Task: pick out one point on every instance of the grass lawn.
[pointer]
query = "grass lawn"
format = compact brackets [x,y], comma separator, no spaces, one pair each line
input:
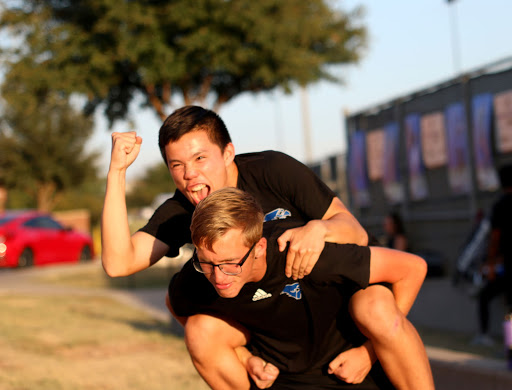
[81,342]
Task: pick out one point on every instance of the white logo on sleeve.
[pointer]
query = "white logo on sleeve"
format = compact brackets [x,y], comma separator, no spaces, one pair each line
[260,294]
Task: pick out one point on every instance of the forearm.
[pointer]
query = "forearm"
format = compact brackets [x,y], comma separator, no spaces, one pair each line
[368,346]
[341,227]
[117,248]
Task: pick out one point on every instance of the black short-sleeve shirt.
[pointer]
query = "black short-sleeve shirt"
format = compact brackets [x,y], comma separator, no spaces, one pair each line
[296,325]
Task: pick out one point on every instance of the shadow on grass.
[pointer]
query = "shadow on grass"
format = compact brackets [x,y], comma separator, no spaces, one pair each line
[172,327]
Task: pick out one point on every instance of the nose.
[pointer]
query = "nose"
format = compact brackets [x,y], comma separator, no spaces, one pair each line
[190,172]
[219,275]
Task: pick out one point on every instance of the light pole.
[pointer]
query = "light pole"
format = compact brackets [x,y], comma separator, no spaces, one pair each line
[455,37]
[306,125]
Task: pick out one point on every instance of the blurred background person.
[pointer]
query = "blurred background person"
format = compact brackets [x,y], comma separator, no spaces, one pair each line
[395,236]
[497,270]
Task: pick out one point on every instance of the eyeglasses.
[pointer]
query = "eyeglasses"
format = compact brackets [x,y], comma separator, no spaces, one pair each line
[227,268]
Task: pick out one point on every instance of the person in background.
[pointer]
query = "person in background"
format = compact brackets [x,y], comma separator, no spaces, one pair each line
[497,269]
[395,232]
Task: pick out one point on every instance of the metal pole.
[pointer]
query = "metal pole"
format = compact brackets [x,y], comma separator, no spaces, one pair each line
[306,125]
[455,37]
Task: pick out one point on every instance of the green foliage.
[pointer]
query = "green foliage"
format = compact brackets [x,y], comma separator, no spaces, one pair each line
[42,151]
[156,180]
[88,195]
[113,50]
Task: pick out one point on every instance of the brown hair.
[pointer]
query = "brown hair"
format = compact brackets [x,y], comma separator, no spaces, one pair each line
[223,210]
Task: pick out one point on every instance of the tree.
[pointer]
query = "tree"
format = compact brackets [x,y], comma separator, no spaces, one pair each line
[154,181]
[114,51]
[42,145]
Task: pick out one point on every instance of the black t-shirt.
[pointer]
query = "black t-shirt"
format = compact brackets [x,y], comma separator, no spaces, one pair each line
[299,326]
[285,188]
[500,219]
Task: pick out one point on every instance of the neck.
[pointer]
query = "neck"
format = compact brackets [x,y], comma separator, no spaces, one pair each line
[259,268]
[232,174]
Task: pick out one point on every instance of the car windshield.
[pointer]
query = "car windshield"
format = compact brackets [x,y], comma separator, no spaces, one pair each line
[5,219]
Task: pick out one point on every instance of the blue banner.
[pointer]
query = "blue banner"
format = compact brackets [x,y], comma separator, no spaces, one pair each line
[417,181]
[486,175]
[458,154]
[391,173]
[357,171]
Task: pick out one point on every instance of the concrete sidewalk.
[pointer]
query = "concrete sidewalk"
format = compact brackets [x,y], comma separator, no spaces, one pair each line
[443,307]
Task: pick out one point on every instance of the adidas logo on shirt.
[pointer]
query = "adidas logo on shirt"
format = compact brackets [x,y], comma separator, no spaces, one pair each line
[260,294]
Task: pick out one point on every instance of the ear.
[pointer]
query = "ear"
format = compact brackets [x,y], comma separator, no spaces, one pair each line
[260,249]
[229,154]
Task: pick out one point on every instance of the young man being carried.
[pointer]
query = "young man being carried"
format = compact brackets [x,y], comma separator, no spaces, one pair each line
[297,327]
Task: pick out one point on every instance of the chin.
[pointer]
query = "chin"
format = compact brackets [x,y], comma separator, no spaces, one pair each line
[227,294]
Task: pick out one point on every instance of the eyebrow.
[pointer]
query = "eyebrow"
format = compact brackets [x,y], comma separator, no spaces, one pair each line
[202,151]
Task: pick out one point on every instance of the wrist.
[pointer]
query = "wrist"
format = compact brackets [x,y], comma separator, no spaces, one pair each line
[321,226]
[368,346]
[118,174]
[243,355]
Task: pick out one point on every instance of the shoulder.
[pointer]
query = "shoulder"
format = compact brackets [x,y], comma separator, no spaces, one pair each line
[267,157]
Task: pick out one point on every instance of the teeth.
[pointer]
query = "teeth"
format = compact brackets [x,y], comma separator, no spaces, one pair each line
[199,187]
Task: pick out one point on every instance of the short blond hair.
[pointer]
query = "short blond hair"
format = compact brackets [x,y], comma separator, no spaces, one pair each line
[223,210]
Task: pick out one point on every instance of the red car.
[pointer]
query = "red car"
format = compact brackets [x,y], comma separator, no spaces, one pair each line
[32,238]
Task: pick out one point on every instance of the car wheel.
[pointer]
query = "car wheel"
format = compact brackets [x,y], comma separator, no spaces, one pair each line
[26,258]
[85,254]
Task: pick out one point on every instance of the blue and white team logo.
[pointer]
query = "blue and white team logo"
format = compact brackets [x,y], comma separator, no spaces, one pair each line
[277,214]
[293,291]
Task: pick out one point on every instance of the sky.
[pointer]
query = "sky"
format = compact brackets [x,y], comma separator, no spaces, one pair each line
[411,45]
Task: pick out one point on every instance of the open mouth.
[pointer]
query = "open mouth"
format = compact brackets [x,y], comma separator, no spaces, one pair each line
[199,192]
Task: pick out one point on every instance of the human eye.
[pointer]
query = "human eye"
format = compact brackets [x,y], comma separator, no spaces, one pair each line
[230,268]
[175,165]
[206,268]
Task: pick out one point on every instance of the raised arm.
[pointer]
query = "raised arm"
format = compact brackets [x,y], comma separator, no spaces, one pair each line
[307,242]
[123,254]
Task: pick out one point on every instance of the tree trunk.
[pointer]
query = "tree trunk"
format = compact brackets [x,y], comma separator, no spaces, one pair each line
[3,198]
[46,197]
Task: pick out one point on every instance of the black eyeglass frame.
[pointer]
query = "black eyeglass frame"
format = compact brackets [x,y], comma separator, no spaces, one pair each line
[197,264]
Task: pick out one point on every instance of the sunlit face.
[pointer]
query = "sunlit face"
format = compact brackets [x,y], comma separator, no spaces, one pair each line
[230,248]
[198,166]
